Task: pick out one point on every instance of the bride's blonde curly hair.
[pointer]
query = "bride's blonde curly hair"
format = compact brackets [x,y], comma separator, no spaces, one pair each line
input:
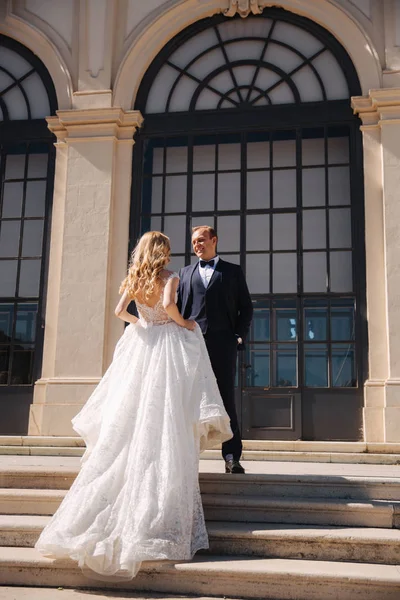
[148,259]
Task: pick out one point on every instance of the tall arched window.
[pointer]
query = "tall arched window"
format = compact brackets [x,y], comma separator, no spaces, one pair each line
[248,127]
[27,96]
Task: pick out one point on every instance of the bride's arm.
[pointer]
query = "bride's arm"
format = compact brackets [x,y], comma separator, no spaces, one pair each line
[121,312]
[170,306]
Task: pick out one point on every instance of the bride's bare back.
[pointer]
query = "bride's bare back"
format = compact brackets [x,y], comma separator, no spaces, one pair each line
[158,293]
[160,308]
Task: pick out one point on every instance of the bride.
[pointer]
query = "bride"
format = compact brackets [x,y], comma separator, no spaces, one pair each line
[137,495]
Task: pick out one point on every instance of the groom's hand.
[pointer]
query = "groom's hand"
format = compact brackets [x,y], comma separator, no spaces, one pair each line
[240,343]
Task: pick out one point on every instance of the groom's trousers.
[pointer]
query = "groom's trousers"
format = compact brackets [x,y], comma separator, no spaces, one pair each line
[222,350]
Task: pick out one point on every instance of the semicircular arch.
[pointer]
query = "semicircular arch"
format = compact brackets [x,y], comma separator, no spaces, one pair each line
[154,35]
[34,40]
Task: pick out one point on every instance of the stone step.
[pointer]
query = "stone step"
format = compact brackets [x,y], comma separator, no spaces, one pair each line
[252,484]
[254,450]
[41,593]
[266,445]
[49,478]
[370,545]
[41,440]
[309,511]
[21,530]
[302,486]
[251,509]
[249,455]
[362,458]
[269,579]
[46,451]
[30,501]
[361,545]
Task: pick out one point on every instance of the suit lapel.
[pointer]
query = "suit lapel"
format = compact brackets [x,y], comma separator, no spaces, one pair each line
[188,285]
[217,275]
[191,271]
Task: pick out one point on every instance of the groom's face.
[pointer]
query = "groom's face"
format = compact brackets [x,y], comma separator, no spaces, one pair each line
[204,246]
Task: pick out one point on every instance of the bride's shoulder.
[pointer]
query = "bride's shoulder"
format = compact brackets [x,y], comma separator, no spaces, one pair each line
[167,274]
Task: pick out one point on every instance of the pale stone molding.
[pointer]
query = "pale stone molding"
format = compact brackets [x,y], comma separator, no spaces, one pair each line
[96,19]
[32,37]
[363,107]
[151,35]
[68,380]
[86,124]
[375,383]
[392,34]
[97,28]
[243,8]
[92,99]
[380,107]
[363,5]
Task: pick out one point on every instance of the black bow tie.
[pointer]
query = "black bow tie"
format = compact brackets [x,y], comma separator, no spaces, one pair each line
[203,263]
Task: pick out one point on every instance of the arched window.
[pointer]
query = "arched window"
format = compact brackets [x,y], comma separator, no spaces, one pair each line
[246,63]
[27,96]
[248,128]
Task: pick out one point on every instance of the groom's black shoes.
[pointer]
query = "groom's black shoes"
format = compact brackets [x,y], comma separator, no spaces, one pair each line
[233,466]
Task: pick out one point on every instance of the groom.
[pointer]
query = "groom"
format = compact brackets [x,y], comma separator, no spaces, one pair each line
[214,293]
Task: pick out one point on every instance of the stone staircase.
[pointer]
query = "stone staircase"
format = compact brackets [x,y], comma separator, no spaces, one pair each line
[285,530]
[282,451]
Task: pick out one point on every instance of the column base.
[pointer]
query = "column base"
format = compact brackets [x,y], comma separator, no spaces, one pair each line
[374,411]
[56,401]
[382,411]
[392,411]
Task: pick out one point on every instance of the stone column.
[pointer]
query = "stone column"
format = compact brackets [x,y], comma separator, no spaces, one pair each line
[88,258]
[380,113]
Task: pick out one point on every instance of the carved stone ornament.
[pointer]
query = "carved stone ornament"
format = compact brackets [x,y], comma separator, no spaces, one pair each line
[243,7]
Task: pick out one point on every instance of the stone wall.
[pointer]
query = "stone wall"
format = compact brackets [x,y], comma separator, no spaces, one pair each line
[97,52]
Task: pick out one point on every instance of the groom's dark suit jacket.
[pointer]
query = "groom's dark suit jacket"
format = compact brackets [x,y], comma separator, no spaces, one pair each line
[228,302]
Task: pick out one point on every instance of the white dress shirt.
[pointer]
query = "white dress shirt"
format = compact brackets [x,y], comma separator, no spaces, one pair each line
[207,272]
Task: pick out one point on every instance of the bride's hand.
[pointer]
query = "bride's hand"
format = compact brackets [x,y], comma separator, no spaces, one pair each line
[191,325]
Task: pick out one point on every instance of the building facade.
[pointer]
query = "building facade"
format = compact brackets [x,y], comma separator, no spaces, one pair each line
[276,122]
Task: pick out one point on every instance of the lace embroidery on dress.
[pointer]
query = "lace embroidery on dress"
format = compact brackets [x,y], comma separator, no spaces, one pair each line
[155,315]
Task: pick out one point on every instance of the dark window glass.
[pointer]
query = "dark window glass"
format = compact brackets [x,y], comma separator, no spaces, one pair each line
[286,365]
[22,363]
[8,276]
[343,320]
[9,238]
[261,322]
[25,326]
[4,363]
[6,322]
[12,199]
[343,366]
[316,365]
[258,365]
[316,321]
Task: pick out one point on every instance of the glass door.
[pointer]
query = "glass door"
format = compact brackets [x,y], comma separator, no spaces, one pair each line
[271,404]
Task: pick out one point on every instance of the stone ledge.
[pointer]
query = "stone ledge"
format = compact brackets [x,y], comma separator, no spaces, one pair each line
[244,577]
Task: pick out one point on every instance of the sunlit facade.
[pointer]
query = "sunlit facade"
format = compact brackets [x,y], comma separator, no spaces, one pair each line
[276,125]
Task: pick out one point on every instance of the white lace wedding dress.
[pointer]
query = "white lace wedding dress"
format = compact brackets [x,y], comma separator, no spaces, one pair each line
[137,495]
